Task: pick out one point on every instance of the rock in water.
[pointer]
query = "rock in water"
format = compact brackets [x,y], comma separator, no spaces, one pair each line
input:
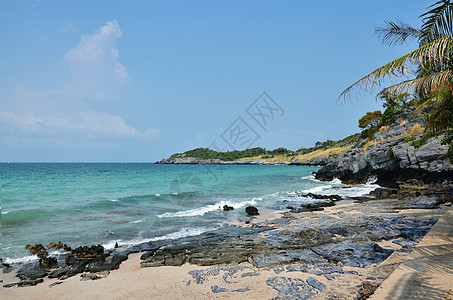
[228,208]
[251,211]
[55,246]
[48,263]
[85,252]
[37,249]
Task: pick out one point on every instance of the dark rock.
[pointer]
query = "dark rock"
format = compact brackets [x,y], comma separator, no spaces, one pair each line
[228,208]
[250,274]
[316,284]
[89,253]
[251,211]
[217,289]
[317,269]
[24,283]
[31,272]
[352,254]
[421,202]
[37,249]
[55,283]
[58,273]
[116,245]
[48,263]
[66,248]
[55,246]
[291,288]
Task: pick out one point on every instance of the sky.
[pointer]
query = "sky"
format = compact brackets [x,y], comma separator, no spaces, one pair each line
[136,81]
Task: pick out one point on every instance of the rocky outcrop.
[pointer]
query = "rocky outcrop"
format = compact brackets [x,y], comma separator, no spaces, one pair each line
[393,160]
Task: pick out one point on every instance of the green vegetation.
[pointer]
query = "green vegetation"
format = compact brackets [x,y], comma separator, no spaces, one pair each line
[432,64]
[279,153]
[370,119]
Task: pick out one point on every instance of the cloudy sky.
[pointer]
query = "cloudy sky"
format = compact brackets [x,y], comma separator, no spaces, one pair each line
[88,81]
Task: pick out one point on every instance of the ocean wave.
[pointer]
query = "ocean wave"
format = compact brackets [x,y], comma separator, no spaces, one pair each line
[185,232]
[21,260]
[336,187]
[209,208]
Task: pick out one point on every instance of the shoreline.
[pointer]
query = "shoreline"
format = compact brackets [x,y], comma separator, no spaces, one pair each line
[272,275]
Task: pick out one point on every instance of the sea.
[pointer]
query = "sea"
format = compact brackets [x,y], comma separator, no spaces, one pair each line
[132,203]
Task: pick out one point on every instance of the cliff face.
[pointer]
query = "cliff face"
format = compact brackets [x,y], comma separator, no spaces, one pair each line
[393,160]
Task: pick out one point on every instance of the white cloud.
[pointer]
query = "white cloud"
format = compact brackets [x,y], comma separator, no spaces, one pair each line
[86,124]
[66,109]
[94,64]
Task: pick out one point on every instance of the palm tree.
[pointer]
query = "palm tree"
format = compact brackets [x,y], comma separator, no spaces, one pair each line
[429,68]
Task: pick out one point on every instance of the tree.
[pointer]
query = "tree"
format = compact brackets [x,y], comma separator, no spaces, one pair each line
[370,119]
[431,62]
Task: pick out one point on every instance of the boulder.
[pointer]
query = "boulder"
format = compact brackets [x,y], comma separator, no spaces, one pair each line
[228,208]
[88,253]
[37,249]
[48,263]
[251,211]
[55,246]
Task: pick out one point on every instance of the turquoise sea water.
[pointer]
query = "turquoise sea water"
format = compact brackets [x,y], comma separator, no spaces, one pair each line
[90,203]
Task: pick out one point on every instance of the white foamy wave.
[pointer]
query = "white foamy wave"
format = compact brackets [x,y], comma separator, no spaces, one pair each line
[372,179]
[138,221]
[111,245]
[317,189]
[185,232]
[308,177]
[21,260]
[209,208]
[114,200]
[158,195]
[5,212]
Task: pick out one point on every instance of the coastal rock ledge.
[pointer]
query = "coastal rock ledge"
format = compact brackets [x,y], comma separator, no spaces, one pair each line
[393,161]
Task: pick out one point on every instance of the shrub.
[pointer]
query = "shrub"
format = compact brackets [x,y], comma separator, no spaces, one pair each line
[409,138]
[416,129]
[391,154]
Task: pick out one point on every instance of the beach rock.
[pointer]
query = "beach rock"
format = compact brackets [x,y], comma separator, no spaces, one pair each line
[315,283]
[31,272]
[291,288]
[48,263]
[94,276]
[316,269]
[421,202]
[228,208]
[24,283]
[55,246]
[322,197]
[251,211]
[352,254]
[37,249]
[89,253]
[58,273]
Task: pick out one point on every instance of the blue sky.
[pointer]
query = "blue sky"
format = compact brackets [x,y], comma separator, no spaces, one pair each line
[139,80]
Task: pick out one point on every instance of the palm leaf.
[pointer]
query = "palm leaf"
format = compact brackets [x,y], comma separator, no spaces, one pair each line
[422,85]
[434,52]
[394,33]
[437,21]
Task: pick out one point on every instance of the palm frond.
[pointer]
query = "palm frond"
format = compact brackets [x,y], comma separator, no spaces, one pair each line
[424,85]
[394,33]
[437,21]
[434,52]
